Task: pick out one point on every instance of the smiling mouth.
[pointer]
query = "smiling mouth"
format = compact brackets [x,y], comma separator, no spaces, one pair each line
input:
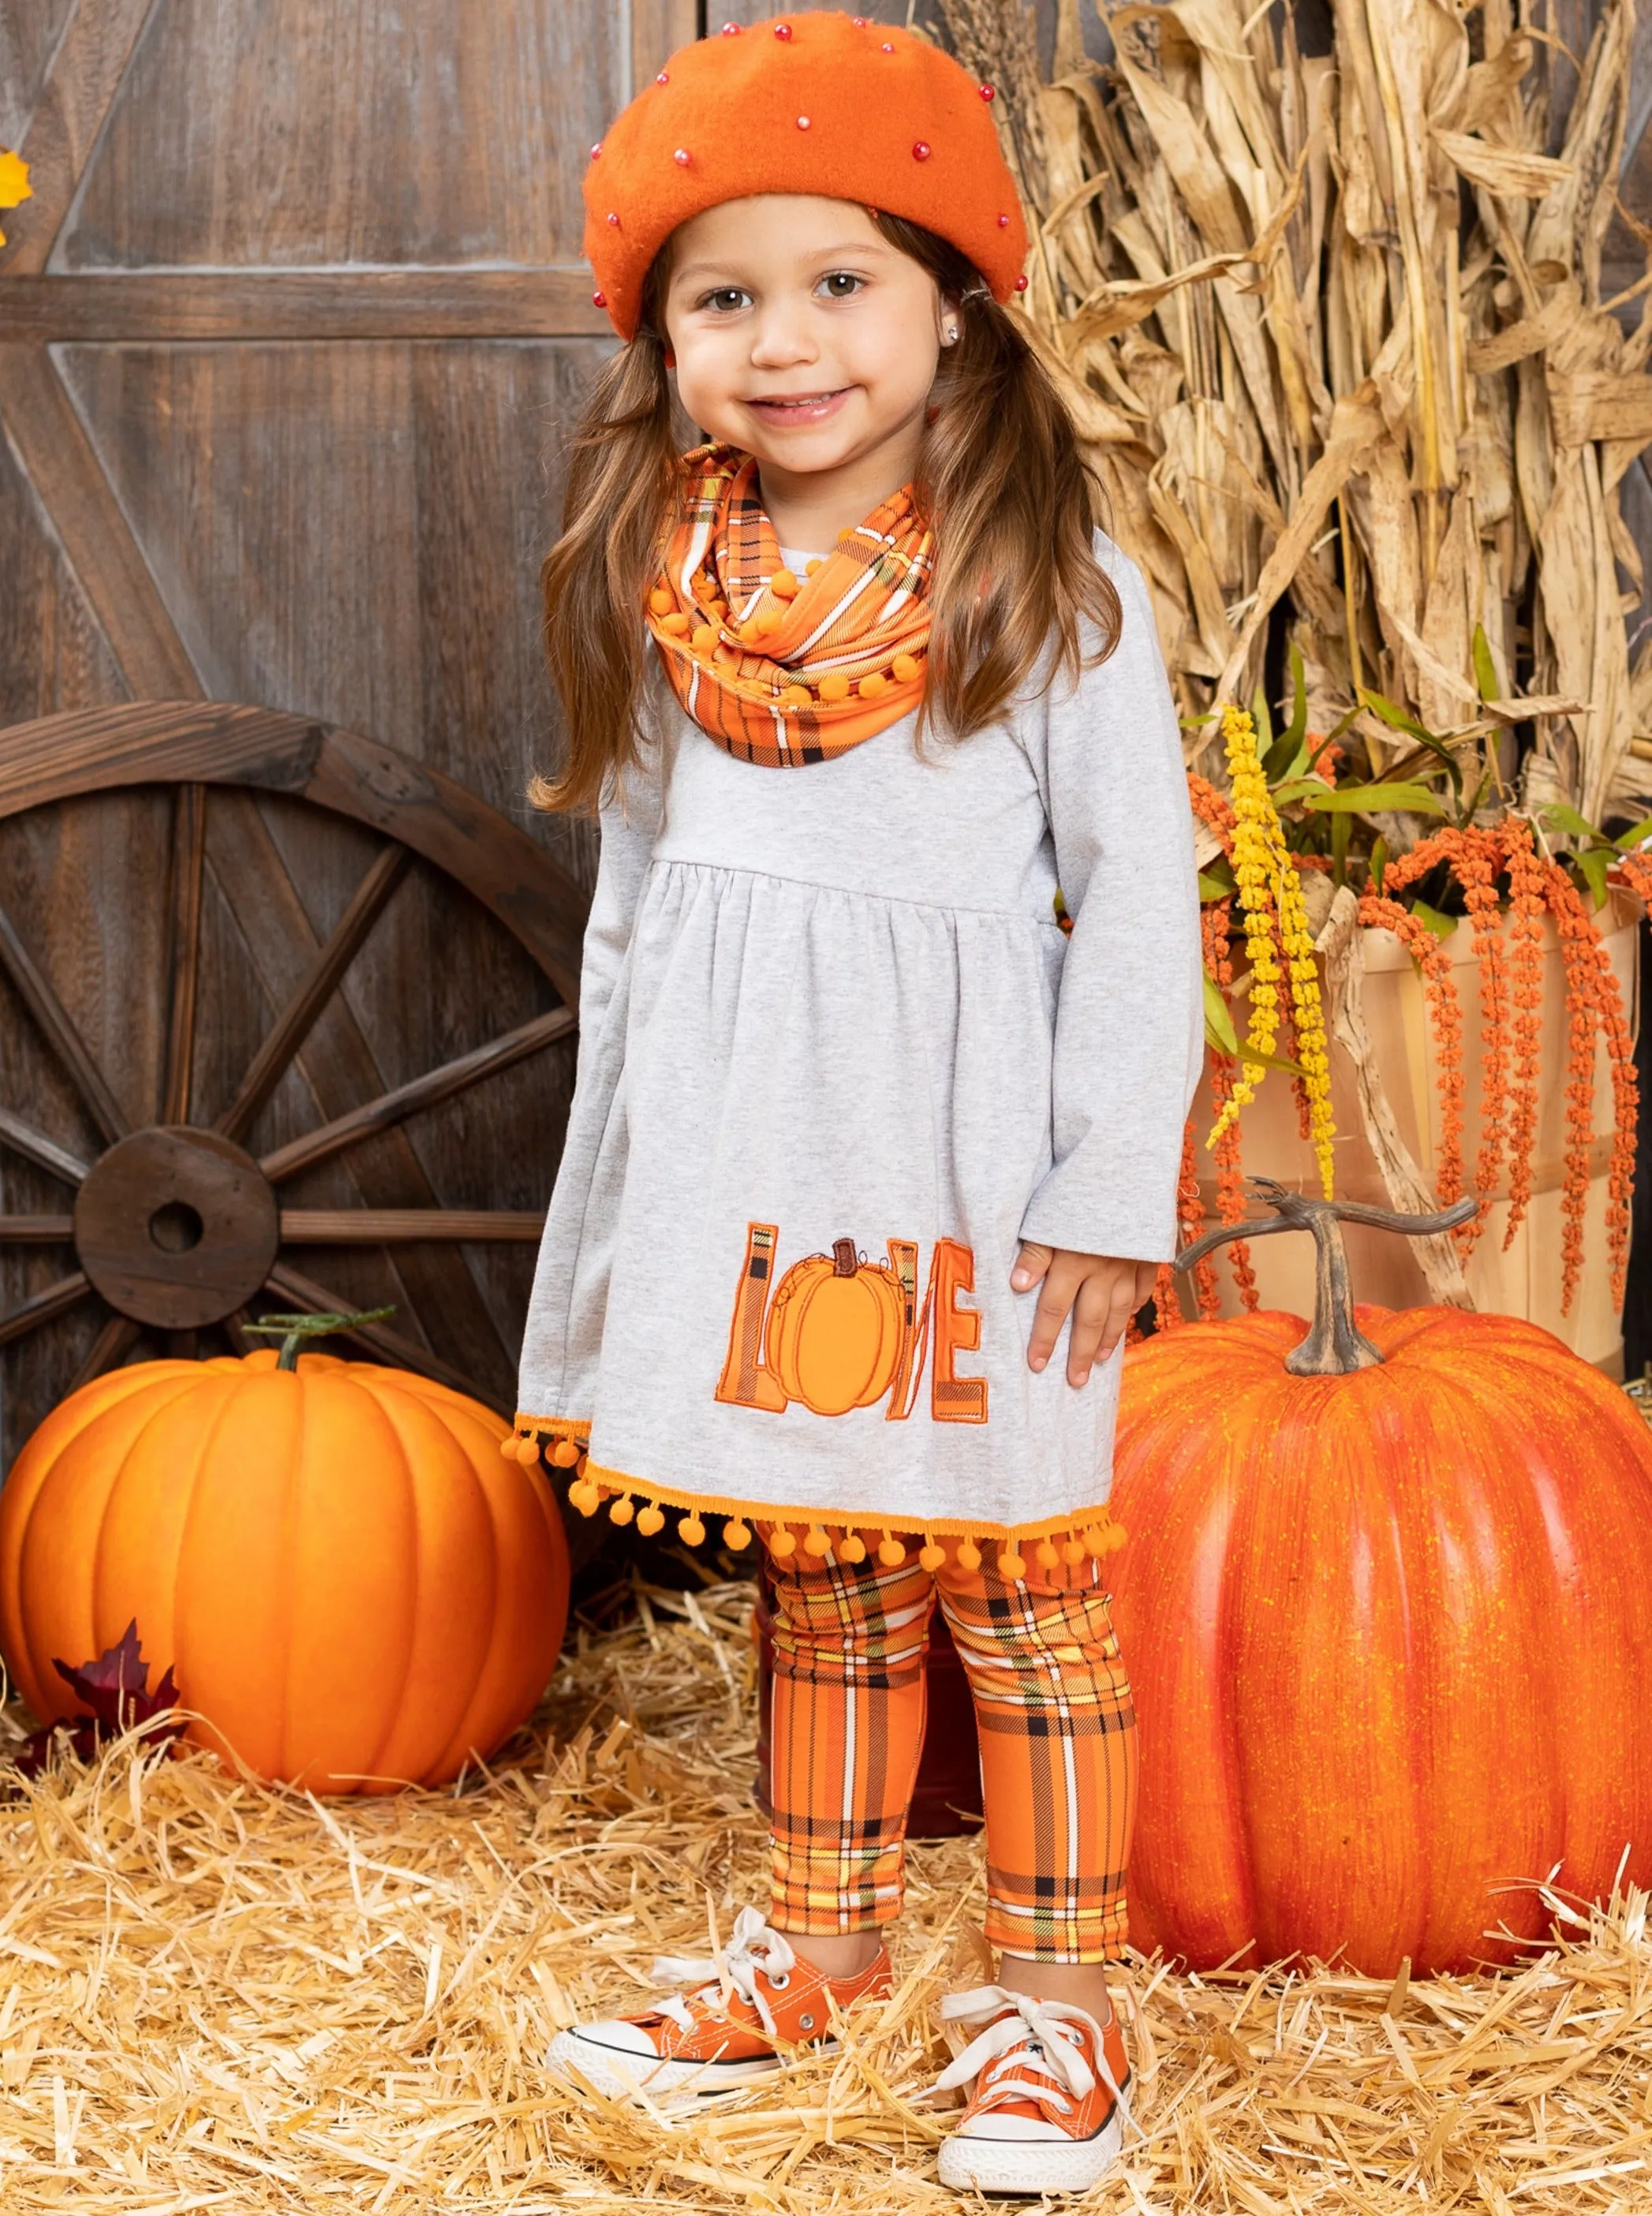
[797,403]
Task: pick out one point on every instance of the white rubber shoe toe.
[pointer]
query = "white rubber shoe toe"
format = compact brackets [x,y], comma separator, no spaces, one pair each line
[1021,2154]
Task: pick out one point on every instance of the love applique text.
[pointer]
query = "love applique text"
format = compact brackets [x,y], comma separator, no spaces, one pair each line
[836,1332]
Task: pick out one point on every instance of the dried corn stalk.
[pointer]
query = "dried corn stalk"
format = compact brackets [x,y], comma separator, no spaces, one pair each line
[1332,333]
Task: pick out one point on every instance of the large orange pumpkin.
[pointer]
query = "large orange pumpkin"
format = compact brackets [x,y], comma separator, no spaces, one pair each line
[353,1586]
[1390,1629]
[835,1329]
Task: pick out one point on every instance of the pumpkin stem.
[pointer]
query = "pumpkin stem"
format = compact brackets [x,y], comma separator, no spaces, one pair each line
[293,1330]
[843,1260]
[1335,1345]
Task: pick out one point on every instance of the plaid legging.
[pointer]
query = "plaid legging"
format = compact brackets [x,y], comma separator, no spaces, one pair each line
[1057,1746]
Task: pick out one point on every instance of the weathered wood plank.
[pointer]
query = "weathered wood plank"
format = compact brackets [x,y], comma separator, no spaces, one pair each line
[74,102]
[340,131]
[50,442]
[164,741]
[658,28]
[29,32]
[58,1028]
[179,306]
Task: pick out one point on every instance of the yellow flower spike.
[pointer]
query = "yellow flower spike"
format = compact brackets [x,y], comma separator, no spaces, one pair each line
[1269,885]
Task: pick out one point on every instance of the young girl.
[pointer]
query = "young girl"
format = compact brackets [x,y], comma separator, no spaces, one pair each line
[868,1164]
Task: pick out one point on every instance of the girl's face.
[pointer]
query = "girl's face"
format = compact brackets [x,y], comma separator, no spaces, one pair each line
[802,336]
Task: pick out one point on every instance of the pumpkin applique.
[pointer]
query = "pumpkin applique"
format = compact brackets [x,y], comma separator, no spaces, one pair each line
[836,1328]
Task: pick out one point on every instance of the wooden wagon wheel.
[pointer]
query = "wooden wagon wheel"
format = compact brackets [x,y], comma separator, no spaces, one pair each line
[175,1226]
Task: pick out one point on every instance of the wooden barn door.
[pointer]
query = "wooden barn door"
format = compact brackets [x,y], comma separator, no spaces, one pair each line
[290,333]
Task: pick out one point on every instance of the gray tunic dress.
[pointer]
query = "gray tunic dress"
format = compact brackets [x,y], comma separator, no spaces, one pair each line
[837,1059]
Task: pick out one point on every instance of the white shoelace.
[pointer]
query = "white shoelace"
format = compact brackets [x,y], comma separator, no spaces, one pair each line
[752,1946]
[1028,2051]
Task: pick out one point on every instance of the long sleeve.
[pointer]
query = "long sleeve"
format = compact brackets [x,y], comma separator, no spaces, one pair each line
[630,823]
[1130,1020]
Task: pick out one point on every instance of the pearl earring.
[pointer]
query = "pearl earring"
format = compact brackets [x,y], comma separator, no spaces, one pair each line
[952,334]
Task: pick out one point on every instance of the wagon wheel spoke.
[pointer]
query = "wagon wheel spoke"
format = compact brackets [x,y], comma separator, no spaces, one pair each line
[183,950]
[301,1292]
[57,1300]
[23,1139]
[330,1139]
[379,1227]
[65,1041]
[293,1025]
[37,1230]
[108,1350]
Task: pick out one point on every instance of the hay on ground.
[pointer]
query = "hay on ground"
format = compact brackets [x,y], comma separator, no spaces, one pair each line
[216,1996]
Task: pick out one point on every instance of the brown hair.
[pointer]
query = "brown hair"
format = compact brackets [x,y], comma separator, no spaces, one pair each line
[1000,477]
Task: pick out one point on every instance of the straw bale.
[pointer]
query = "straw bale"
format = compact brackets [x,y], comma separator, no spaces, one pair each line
[215,1995]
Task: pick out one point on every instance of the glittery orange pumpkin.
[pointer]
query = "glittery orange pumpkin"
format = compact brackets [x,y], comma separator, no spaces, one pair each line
[352,1586]
[1389,1633]
[835,1330]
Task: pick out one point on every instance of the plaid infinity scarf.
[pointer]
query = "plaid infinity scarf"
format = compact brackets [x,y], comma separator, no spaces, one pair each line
[781,669]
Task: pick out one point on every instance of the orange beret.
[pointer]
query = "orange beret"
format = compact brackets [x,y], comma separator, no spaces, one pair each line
[836,105]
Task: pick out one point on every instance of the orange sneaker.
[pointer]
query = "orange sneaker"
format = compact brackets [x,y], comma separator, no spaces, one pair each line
[1048,2109]
[762,1996]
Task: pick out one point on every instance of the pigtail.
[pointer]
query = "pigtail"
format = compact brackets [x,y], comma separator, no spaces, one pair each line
[622,483]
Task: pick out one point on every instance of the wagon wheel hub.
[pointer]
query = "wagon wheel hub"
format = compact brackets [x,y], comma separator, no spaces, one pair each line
[176,1227]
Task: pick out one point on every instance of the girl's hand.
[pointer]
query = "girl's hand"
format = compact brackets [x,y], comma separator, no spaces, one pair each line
[1103,1291]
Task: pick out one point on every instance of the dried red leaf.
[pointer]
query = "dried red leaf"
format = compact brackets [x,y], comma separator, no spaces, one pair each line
[115,1690]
